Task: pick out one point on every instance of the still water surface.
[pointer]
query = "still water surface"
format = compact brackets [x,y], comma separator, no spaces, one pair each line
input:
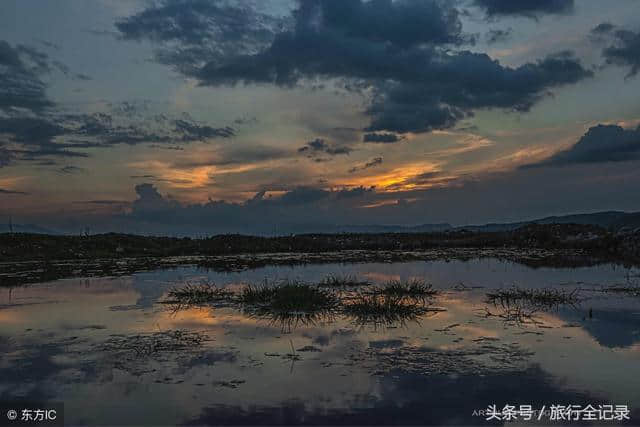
[103,346]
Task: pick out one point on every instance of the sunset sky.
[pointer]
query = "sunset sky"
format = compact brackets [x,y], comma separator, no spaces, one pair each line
[198,116]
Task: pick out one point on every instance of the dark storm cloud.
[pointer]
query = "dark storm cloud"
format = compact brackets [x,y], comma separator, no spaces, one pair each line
[459,83]
[602,143]
[195,31]
[417,87]
[191,21]
[321,47]
[382,138]
[404,51]
[529,8]
[402,23]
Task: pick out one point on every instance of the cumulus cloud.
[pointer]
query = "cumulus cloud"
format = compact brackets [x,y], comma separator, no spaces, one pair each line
[292,211]
[149,199]
[602,143]
[408,53]
[528,8]
[517,195]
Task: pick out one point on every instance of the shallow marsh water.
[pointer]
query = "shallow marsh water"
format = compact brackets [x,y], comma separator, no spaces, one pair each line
[113,355]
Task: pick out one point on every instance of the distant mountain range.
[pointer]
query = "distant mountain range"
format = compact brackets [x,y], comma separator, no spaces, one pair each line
[612,220]
[25,228]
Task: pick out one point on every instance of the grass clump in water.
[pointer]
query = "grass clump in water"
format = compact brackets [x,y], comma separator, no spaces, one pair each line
[417,289]
[535,298]
[384,310]
[289,304]
[520,306]
[198,294]
[288,297]
[348,281]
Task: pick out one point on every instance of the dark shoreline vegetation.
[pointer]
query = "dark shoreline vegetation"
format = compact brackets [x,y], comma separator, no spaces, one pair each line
[593,239]
[32,258]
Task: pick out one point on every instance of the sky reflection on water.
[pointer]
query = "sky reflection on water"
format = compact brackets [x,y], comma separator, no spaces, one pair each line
[60,341]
